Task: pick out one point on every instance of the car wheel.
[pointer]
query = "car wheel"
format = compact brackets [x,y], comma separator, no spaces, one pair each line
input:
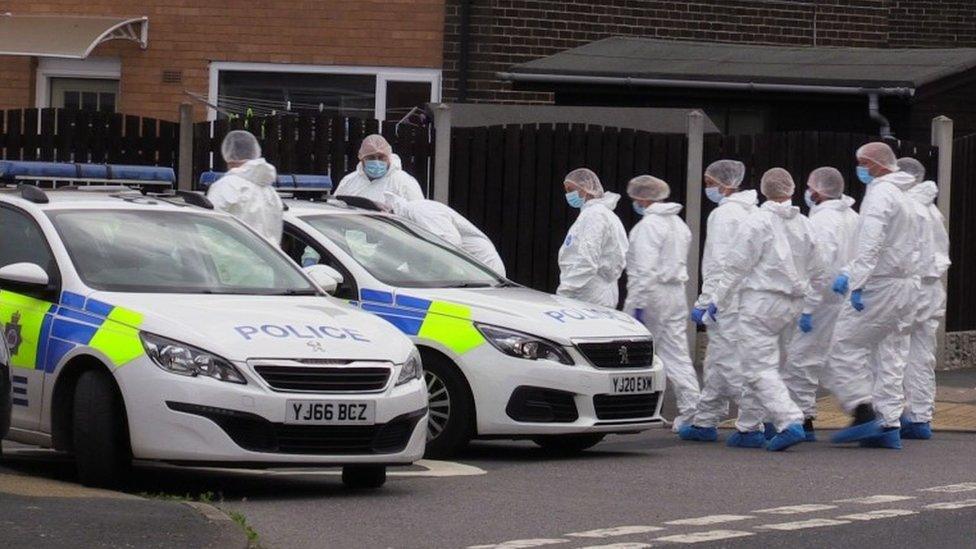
[568,444]
[100,436]
[451,411]
[364,476]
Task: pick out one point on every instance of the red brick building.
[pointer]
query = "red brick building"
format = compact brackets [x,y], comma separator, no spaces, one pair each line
[358,57]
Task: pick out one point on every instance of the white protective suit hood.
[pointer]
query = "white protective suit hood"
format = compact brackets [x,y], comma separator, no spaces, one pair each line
[903,180]
[593,254]
[746,198]
[246,192]
[663,208]
[836,204]
[924,192]
[785,210]
[396,181]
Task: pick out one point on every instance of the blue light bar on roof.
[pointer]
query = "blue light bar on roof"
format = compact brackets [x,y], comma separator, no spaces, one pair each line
[285,182]
[19,170]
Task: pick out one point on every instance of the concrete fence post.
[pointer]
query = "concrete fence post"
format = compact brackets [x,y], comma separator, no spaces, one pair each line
[185,174]
[442,152]
[693,211]
[942,138]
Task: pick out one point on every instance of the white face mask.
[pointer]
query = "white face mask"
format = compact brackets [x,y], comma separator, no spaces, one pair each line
[808,198]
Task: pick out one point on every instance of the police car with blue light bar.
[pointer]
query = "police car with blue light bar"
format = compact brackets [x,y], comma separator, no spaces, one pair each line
[500,360]
[145,326]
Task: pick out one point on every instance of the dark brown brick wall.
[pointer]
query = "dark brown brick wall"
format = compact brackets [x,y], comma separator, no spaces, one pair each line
[507,32]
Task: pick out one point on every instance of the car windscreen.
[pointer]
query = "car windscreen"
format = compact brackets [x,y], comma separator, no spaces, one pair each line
[401,254]
[174,252]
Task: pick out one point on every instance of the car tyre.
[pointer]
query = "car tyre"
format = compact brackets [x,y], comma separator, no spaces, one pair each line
[568,444]
[451,409]
[100,435]
[360,477]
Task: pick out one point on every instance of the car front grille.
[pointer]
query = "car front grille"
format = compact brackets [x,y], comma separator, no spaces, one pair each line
[625,406]
[325,379]
[619,354]
[254,433]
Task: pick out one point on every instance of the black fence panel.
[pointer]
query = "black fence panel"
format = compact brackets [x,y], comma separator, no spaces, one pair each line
[82,136]
[961,310]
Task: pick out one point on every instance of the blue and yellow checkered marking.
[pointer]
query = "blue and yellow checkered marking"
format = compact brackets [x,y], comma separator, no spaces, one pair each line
[447,323]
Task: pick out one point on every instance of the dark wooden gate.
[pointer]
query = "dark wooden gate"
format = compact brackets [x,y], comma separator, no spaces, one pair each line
[961,311]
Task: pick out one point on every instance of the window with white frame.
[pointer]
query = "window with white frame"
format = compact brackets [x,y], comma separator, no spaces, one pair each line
[89,84]
[384,93]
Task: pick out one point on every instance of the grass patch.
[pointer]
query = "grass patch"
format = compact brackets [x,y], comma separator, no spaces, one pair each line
[241,520]
[204,497]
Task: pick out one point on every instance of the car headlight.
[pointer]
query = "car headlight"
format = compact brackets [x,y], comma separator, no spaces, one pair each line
[525,346]
[185,360]
[412,369]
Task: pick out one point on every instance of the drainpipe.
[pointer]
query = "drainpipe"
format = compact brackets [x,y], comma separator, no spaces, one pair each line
[464,49]
[875,114]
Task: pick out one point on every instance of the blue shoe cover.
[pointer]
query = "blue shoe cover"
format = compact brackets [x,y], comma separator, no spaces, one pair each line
[769,430]
[861,431]
[810,436]
[792,435]
[752,439]
[905,422]
[889,438]
[699,434]
[916,431]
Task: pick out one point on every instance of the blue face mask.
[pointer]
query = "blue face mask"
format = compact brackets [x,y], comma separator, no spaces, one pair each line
[864,175]
[808,198]
[638,209]
[574,199]
[714,194]
[375,169]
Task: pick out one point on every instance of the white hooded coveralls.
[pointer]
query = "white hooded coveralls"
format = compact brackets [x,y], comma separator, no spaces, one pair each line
[657,269]
[395,181]
[779,273]
[834,225]
[884,268]
[451,226]
[246,193]
[594,253]
[722,381]
[933,263]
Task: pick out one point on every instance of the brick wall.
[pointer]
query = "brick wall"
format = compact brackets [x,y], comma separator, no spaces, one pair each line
[508,32]
[185,35]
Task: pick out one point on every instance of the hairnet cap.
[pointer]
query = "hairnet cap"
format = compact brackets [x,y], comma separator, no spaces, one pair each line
[240,146]
[375,144]
[648,187]
[585,180]
[777,183]
[727,173]
[827,181]
[879,153]
[911,166]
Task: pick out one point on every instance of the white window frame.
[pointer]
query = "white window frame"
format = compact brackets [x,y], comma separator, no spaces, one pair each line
[108,68]
[382,74]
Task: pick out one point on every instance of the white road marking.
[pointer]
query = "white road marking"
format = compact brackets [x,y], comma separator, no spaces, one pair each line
[803,524]
[710,519]
[874,500]
[953,488]
[878,514]
[615,531]
[699,537]
[950,505]
[619,546]
[520,543]
[797,509]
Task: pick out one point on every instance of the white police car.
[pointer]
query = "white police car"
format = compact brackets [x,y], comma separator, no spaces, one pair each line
[142,327]
[500,360]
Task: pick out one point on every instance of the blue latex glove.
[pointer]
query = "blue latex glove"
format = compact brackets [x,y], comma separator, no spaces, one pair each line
[806,323]
[856,300]
[712,311]
[639,315]
[841,284]
[698,316]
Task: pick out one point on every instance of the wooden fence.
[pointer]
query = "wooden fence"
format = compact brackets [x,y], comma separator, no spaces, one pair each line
[961,310]
[67,135]
[319,144]
[508,181]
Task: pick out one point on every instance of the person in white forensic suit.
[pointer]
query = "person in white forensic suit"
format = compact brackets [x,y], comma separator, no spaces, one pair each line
[657,270]
[379,171]
[246,191]
[594,252]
